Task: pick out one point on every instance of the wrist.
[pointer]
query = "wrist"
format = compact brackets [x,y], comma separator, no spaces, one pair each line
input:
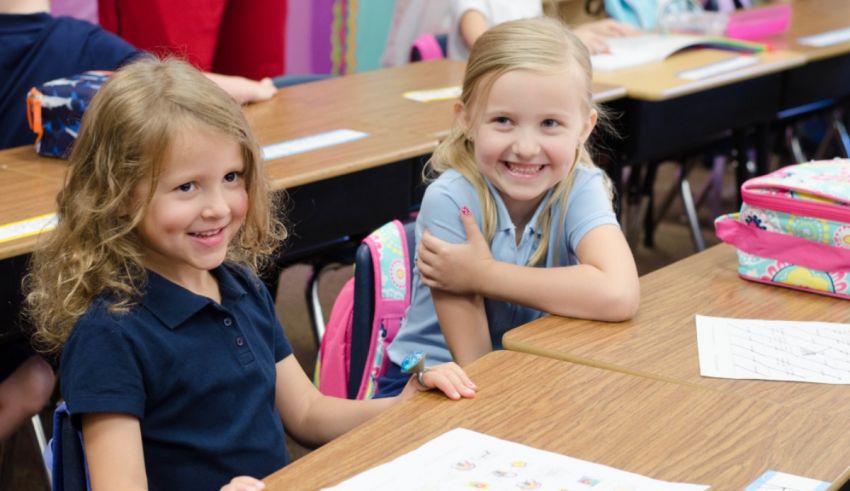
[482,279]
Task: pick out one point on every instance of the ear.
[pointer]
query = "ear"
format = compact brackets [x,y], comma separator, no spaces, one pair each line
[589,124]
[461,117]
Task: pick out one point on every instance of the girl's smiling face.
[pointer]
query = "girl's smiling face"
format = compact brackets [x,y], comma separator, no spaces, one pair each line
[199,204]
[528,132]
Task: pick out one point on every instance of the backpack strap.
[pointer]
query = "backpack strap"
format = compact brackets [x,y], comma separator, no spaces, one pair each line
[391,268]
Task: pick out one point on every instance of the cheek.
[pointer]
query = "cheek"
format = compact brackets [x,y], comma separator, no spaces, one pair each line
[489,150]
[239,205]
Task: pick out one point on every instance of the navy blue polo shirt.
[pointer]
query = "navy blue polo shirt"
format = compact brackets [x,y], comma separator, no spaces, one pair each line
[37,48]
[199,376]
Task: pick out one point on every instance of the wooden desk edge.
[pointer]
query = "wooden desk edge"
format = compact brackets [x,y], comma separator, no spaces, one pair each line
[748,73]
[609,93]
[358,165]
[764,67]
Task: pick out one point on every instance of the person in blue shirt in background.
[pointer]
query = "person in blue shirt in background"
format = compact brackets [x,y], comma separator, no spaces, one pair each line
[38,47]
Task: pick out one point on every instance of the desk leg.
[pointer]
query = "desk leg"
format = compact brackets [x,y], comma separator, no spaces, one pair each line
[742,171]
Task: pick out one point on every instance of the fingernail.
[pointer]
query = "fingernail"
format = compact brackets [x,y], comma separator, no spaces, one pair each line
[465,211]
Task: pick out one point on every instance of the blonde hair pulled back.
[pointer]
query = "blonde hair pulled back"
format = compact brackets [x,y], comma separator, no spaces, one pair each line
[542,45]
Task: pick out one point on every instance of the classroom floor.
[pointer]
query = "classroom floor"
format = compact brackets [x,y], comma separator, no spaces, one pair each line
[20,467]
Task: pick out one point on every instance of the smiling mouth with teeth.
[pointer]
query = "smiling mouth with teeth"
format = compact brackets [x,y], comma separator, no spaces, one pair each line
[206,234]
[529,169]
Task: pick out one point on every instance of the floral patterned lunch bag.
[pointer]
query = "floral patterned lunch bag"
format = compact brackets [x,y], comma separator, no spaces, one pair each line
[793,229]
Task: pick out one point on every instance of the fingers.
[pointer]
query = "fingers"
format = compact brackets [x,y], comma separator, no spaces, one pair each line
[451,380]
[244,483]
[470,226]
[264,90]
[595,43]
[614,28]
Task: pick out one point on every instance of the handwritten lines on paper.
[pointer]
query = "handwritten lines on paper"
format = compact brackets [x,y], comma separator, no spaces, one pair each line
[774,350]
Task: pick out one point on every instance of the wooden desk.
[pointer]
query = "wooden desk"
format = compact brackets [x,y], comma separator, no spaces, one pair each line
[660,81]
[661,341]
[28,189]
[372,99]
[659,101]
[827,68]
[810,17]
[659,429]
[332,189]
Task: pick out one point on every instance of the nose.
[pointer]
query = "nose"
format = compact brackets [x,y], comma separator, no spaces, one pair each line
[215,204]
[525,146]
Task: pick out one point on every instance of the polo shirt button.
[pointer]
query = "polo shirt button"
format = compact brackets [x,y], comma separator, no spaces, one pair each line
[239,341]
[227,321]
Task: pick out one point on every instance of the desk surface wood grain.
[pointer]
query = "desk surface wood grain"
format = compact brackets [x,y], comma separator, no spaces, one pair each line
[363,101]
[812,17]
[661,340]
[662,80]
[659,429]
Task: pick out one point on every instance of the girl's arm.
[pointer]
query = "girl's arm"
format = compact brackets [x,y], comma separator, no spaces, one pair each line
[463,322]
[113,444]
[471,26]
[603,287]
[314,419]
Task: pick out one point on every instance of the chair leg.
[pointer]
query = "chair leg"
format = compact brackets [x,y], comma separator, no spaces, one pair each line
[670,195]
[41,441]
[314,306]
[836,132]
[693,218]
[795,146]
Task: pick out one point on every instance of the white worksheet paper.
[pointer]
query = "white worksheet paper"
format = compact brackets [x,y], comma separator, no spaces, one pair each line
[462,459]
[774,350]
[772,481]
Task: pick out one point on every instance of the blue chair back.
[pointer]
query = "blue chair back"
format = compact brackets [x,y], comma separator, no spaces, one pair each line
[65,454]
[364,308]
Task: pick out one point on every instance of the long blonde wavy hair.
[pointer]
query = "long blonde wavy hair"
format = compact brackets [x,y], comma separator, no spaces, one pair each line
[541,45]
[124,137]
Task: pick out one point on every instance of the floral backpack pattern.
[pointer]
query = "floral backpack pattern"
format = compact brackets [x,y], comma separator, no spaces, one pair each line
[391,272]
[793,229]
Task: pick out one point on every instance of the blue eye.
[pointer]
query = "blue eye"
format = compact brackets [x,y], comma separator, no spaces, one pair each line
[551,123]
[232,176]
[186,187]
[502,120]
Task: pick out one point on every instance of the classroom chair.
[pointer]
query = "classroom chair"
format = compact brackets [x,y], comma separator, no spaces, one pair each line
[64,455]
[364,308]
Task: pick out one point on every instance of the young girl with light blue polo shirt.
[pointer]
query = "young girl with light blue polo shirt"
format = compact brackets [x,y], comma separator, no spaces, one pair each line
[519,222]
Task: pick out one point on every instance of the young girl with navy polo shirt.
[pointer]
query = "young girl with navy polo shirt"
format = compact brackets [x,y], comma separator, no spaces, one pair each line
[173,362]
[519,221]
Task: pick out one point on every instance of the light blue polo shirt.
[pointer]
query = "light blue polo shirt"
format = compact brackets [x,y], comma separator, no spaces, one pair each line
[588,207]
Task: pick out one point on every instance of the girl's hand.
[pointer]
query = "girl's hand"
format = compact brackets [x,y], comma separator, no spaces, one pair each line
[244,483]
[594,35]
[456,268]
[448,377]
[242,89]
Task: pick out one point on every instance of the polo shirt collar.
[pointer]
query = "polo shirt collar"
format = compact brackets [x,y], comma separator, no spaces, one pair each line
[504,222]
[173,305]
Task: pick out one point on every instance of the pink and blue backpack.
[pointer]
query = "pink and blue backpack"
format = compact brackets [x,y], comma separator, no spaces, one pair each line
[366,315]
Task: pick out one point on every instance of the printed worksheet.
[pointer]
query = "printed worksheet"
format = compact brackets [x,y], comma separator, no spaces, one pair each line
[462,459]
[774,350]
